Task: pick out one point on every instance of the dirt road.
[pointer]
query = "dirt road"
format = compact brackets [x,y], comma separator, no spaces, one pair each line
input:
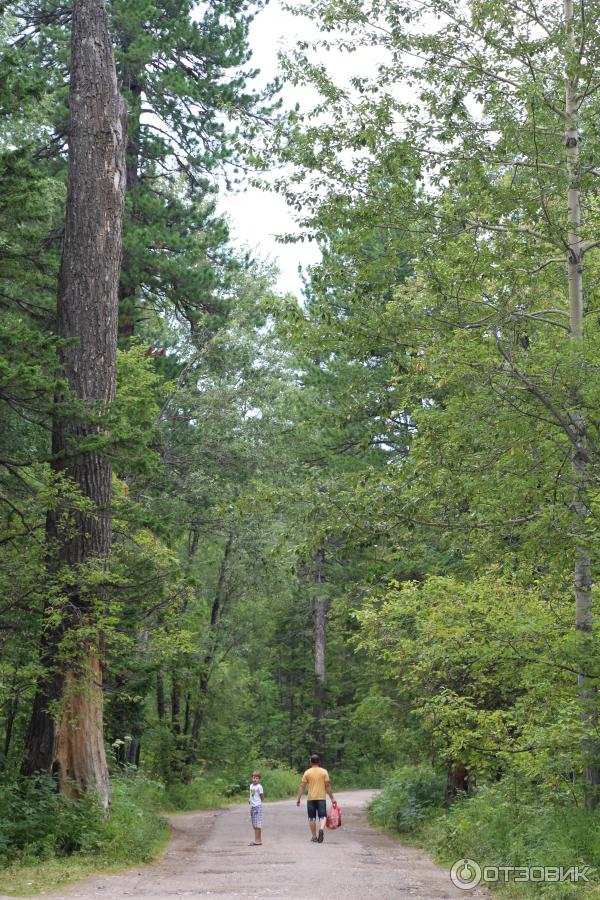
[209,856]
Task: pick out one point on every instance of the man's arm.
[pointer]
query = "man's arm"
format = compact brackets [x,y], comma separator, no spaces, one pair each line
[300,792]
[329,791]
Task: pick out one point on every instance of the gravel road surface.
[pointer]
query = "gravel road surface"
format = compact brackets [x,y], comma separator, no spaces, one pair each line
[209,856]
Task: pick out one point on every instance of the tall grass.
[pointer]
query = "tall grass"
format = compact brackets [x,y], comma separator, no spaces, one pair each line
[409,797]
[214,788]
[37,823]
[508,823]
[511,825]
[368,777]
[46,839]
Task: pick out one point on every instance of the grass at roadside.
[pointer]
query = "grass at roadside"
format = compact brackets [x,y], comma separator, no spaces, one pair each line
[29,879]
[47,841]
[504,824]
[221,788]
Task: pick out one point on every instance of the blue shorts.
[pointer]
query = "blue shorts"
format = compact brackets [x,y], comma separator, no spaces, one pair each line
[316,807]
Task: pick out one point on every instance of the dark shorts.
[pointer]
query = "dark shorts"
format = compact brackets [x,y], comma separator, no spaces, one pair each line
[316,808]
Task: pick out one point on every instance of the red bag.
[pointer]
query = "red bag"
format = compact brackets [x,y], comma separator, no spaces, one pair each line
[334,817]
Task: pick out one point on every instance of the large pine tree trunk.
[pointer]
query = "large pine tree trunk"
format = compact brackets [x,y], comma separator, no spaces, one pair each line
[67,737]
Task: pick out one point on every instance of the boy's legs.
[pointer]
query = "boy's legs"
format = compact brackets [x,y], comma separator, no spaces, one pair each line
[256,819]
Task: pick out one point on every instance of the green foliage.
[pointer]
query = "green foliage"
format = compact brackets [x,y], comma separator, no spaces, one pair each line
[279,781]
[36,822]
[135,827]
[408,798]
[396,448]
[133,415]
[368,775]
[510,824]
[214,787]
[480,671]
[188,117]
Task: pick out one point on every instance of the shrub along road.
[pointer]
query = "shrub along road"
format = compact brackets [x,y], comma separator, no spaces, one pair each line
[209,856]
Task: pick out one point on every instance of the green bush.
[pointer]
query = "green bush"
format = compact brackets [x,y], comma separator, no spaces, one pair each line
[214,787]
[509,824]
[135,827]
[206,791]
[350,780]
[278,782]
[38,823]
[408,797]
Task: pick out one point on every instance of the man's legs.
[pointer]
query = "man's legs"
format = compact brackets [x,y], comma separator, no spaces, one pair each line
[257,835]
[312,818]
[322,813]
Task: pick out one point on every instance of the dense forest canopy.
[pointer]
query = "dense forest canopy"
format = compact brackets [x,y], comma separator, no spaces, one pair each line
[239,525]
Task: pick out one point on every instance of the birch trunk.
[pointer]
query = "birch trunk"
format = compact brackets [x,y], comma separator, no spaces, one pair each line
[320,645]
[66,731]
[128,290]
[201,691]
[582,569]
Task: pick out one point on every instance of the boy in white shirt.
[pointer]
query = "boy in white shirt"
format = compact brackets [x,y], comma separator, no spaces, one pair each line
[255,800]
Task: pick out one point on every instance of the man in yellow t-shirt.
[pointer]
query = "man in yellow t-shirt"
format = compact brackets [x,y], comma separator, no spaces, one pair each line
[317,781]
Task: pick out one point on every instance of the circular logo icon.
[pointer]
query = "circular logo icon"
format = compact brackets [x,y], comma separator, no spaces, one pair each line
[465,874]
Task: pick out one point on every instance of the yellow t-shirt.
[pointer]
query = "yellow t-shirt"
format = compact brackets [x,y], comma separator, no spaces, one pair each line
[315,778]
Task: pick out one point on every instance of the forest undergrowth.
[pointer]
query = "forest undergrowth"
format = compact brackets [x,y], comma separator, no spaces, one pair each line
[238,523]
[505,824]
[47,840]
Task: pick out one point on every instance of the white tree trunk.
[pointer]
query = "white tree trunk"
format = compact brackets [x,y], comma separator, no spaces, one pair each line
[582,569]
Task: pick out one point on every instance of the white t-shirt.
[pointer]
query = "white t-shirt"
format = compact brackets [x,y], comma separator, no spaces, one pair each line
[255,791]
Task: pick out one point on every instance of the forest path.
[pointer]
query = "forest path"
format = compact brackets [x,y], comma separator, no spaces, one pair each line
[209,856]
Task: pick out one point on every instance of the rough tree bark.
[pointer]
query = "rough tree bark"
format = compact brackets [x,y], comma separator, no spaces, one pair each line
[457,782]
[11,714]
[66,730]
[175,704]
[128,292]
[320,643]
[160,697]
[219,604]
[582,568]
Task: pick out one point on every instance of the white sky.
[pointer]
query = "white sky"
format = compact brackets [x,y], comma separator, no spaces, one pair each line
[257,216]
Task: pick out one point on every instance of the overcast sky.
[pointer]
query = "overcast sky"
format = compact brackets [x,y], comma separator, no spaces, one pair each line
[256,217]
